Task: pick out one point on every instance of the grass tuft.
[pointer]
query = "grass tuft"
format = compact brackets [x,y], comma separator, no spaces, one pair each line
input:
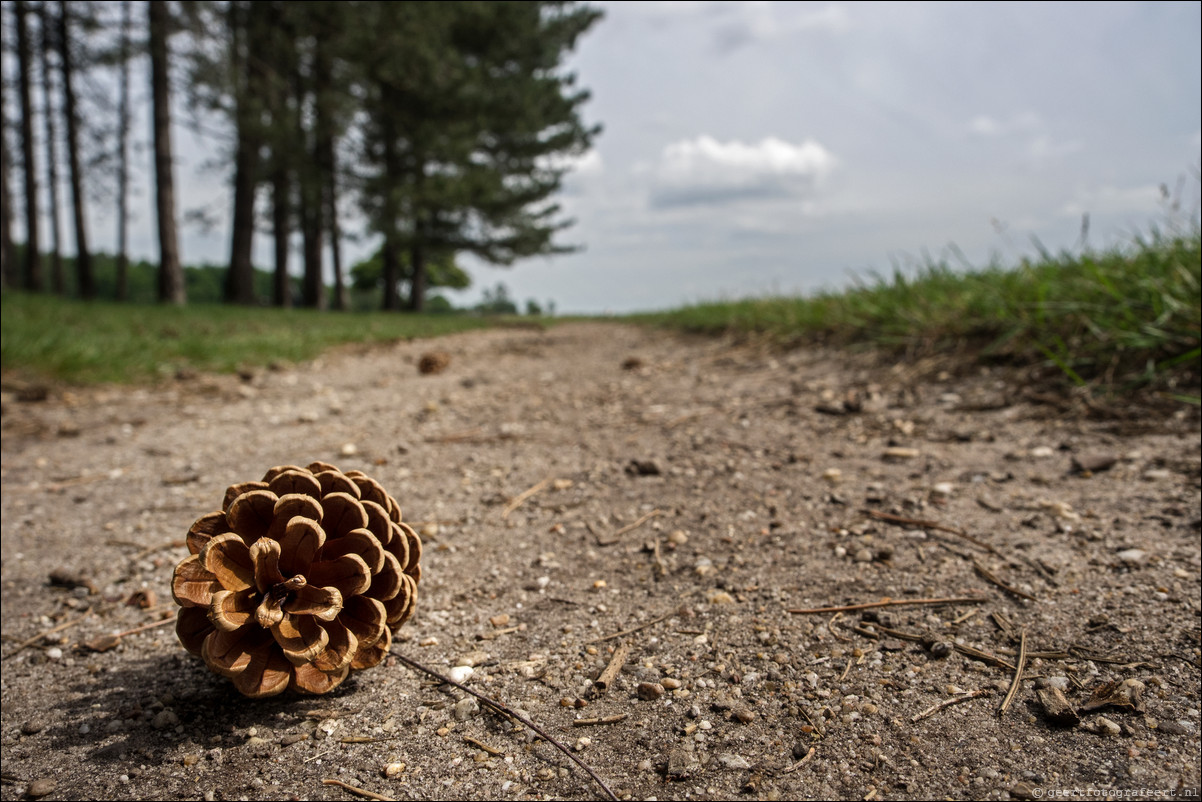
[79,342]
[1126,317]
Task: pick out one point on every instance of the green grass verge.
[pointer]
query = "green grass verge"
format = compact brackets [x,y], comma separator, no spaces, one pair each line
[82,343]
[1127,316]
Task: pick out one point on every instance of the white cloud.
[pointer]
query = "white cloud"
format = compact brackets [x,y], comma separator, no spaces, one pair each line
[985,125]
[758,22]
[706,171]
[588,163]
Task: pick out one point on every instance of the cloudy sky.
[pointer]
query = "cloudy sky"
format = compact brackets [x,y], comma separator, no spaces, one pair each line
[763,147]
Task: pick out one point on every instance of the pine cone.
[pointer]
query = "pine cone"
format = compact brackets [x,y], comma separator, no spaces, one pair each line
[433,362]
[300,578]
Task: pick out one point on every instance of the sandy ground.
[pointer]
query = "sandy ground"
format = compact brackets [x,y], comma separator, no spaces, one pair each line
[688,497]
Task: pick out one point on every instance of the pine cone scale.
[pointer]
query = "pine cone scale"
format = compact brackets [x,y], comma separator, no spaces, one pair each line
[192,584]
[265,556]
[251,514]
[192,627]
[323,603]
[227,558]
[343,513]
[231,610]
[296,482]
[302,540]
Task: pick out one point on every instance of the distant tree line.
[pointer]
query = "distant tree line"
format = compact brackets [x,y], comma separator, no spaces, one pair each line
[446,126]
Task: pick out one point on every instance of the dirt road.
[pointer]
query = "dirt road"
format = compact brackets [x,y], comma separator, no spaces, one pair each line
[596,485]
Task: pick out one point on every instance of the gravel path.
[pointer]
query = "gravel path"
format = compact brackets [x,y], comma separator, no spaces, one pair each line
[596,489]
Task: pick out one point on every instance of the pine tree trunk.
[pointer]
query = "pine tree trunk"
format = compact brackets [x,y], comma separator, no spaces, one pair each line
[240,278]
[341,302]
[329,204]
[281,215]
[323,95]
[417,281]
[57,283]
[309,205]
[312,288]
[392,298]
[123,159]
[83,257]
[392,175]
[171,274]
[33,253]
[8,251]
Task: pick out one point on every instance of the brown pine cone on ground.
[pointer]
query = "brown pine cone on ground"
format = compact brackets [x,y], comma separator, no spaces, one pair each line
[300,579]
[433,362]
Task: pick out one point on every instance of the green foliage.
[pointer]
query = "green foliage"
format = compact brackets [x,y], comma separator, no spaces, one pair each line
[204,283]
[497,302]
[470,120]
[86,342]
[442,271]
[1129,315]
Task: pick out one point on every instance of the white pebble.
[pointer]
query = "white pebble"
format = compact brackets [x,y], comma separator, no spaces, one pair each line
[461,673]
[1133,556]
[54,653]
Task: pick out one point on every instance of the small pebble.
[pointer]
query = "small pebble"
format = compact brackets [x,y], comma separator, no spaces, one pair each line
[461,673]
[941,649]
[1133,556]
[40,788]
[472,658]
[163,719]
[744,715]
[730,760]
[54,653]
[465,709]
[349,449]
[1157,475]
[721,597]
[499,621]
[900,453]
[670,683]
[1041,452]
[32,727]
[832,475]
[863,556]
[648,691]
[582,744]
[1104,726]
[678,537]
[1060,683]
[393,770]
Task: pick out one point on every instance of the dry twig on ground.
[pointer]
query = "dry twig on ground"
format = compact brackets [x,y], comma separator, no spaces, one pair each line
[889,603]
[506,711]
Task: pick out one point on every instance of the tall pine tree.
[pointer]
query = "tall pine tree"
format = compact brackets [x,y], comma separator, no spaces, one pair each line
[466,127]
